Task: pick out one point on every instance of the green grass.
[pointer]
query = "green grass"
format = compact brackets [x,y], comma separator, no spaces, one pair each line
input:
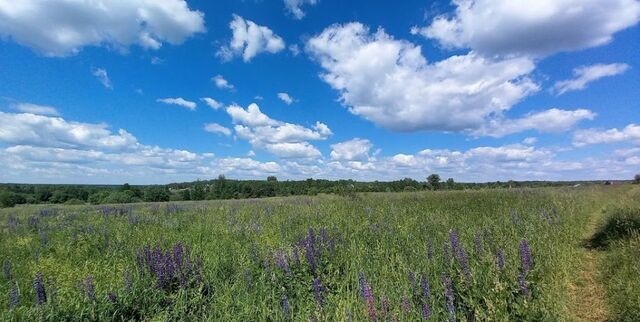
[383,235]
[619,240]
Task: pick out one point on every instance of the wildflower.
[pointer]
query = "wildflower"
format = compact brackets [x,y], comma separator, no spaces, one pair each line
[455,243]
[425,288]
[6,270]
[525,256]
[371,304]
[500,259]
[362,283]
[14,296]
[414,284]
[426,311]
[524,286]
[286,308]
[90,288]
[384,309]
[448,293]
[430,249]
[406,305]
[317,291]
[38,285]
[281,261]
[112,297]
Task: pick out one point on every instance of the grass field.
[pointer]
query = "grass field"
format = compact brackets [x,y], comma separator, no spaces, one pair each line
[502,255]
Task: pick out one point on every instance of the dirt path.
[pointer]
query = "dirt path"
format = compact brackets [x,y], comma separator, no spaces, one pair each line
[588,294]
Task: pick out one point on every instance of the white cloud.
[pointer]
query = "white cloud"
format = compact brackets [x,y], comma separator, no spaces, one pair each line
[294,7]
[535,28]
[286,98]
[103,77]
[353,150]
[221,83]
[178,101]
[217,128]
[587,74]
[285,140]
[211,103]
[62,27]
[252,116]
[250,39]
[45,131]
[37,109]
[550,121]
[595,136]
[294,49]
[390,83]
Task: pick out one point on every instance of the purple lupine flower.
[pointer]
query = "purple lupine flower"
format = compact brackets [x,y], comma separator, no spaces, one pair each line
[310,255]
[41,293]
[455,243]
[178,256]
[426,311]
[112,297]
[384,307]
[525,256]
[464,263]
[371,304]
[425,288]
[430,249]
[286,308]
[90,288]
[281,261]
[477,243]
[524,286]
[500,259]
[362,283]
[413,282]
[317,291]
[6,270]
[127,281]
[14,296]
[449,296]
[406,305]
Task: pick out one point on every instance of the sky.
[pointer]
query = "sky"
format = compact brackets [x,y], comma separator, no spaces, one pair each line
[147,92]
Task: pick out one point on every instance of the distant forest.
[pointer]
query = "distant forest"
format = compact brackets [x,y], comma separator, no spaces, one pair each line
[223,188]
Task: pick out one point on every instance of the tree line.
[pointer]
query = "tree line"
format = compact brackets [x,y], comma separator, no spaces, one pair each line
[223,188]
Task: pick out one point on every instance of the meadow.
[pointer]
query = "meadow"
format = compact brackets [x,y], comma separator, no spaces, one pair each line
[495,254]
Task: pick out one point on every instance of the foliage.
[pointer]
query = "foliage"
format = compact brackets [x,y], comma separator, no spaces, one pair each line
[505,255]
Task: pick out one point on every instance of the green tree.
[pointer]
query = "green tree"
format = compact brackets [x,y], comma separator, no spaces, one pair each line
[451,184]
[434,181]
[636,179]
[156,194]
[272,179]
[7,199]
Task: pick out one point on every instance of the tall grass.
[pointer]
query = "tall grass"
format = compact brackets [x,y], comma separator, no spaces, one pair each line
[470,255]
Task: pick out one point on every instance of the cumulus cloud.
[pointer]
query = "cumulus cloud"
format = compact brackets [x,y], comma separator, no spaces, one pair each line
[37,109]
[211,102]
[221,83]
[178,101]
[217,128]
[250,39]
[285,140]
[46,131]
[294,7]
[550,121]
[286,98]
[587,74]
[534,28]
[103,77]
[62,28]
[353,150]
[631,133]
[390,82]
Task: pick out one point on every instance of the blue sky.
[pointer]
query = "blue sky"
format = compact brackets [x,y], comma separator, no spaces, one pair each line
[478,90]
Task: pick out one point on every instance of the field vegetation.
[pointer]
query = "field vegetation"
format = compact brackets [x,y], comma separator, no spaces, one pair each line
[494,254]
